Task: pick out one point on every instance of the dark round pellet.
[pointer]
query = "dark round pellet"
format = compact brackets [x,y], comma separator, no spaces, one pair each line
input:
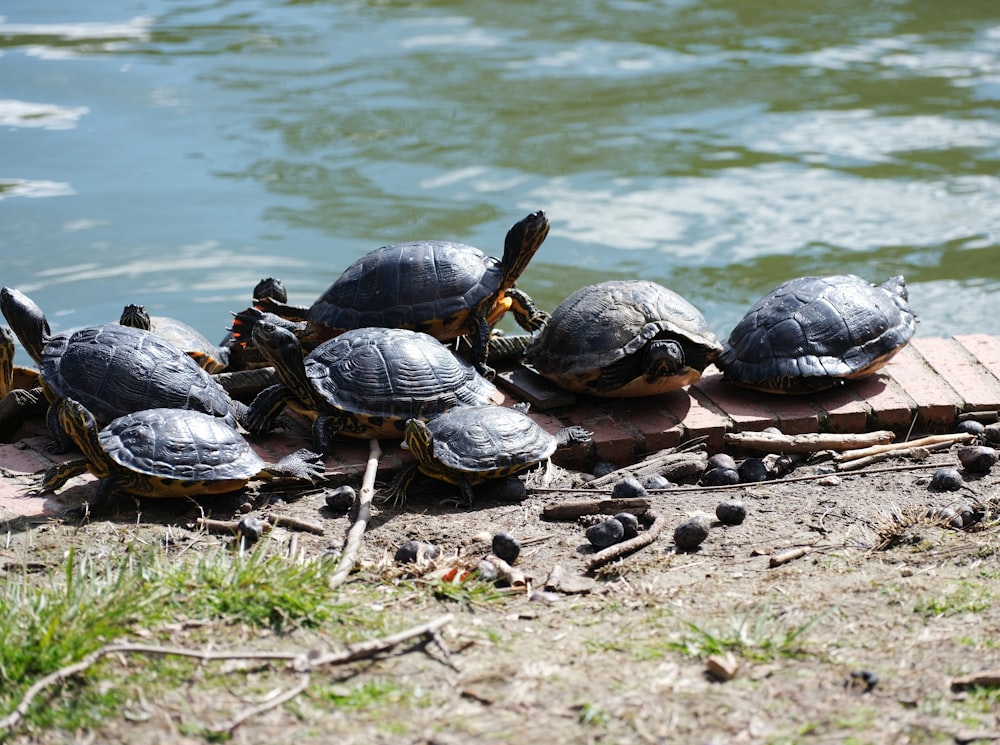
[510,489]
[605,534]
[971,427]
[691,534]
[506,547]
[250,529]
[992,433]
[341,499]
[720,477]
[628,488]
[946,479]
[408,552]
[630,524]
[721,460]
[977,458]
[656,481]
[733,512]
[752,470]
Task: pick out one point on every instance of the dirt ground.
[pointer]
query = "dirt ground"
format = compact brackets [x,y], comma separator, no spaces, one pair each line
[874,635]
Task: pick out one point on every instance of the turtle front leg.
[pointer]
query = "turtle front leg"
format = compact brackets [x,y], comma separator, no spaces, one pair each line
[61,441]
[480,341]
[528,315]
[259,417]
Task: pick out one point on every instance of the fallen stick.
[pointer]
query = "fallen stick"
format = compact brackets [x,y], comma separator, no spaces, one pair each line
[775,442]
[627,547]
[784,557]
[357,531]
[287,521]
[580,507]
[910,452]
[302,662]
[668,463]
[513,576]
[987,678]
[923,442]
[270,521]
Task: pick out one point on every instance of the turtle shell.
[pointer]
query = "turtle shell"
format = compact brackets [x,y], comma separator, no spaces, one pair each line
[592,342]
[811,333]
[429,286]
[114,370]
[175,444]
[489,442]
[394,375]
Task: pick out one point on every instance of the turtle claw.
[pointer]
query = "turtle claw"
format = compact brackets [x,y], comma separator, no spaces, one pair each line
[302,464]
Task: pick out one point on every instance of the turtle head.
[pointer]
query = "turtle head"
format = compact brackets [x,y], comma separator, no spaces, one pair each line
[76,421]
[523,241]
[418,440]
[279,345]
[136,317]
[26,320]
[270,287]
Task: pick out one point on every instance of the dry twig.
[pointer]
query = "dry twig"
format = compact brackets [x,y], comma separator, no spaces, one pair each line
[302,663]
[357,531]
[774,442]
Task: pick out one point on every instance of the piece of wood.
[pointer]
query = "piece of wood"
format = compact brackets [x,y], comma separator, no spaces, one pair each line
[774,442]
[245,384]
[529,386]
[577,508]
[353,544]
[924,442]
[985,678]
[784,557]
[672,464]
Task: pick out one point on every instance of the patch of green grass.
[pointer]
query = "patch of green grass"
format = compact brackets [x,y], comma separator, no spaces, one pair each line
[758,636]
[967,597]
[592,715]
[468,593]
[369,694]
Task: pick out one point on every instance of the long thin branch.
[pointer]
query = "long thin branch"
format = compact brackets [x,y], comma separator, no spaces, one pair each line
[274,703]
[350,555]
[302,662]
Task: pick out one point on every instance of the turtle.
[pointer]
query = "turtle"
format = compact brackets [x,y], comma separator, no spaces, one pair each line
[111,369]
[444,289]
[469,445]
[623,338]
[212,358]
[21,395]
[166,453]
[813,333]
[364,383]
[244,356]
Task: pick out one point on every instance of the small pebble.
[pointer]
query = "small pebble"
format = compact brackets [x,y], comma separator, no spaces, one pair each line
[971,427]
[691,534]
[864,679]
[408,552]
[486,570]
[946,479]
[733,512]
[720,477]
[829,480]
[630,524]
[605,534]
[628,488]
[506,547]
[752,470]
[341,499]
[545,596]
[603,468]
[656,481]
[721,460]
[977,458]
[250,529]
[245,508]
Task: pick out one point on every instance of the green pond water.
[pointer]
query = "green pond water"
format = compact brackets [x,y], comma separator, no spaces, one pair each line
[173,153]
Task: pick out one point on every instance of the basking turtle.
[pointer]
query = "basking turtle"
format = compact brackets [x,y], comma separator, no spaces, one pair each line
[21,395]
[364,383]
[623,338]
[813,333]
[111,369]
[244,356]
[212,358]
[166,453]
[444,289]
[469,445]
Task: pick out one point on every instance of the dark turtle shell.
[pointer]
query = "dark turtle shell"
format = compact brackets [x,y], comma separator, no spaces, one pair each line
[812,333]
[489,442]
[183,336]
[594,341]
[187,446]
[429,286]
[114,370]
[394,375]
